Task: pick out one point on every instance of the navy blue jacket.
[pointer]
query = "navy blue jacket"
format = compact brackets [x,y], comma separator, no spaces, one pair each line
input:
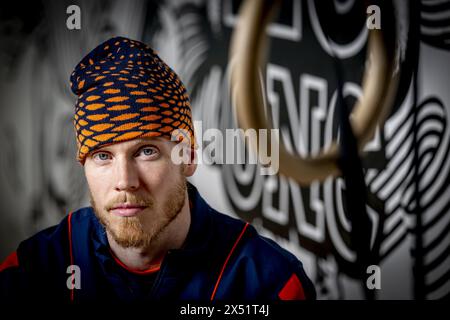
[223,259]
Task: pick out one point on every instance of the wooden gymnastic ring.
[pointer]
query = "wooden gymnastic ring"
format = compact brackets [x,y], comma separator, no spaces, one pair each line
[247,52]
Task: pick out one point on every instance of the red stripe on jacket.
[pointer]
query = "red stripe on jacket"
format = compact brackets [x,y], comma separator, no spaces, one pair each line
[226,261]
[292,290]
[10,262]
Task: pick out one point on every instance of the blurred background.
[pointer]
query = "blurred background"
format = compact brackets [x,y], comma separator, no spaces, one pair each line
[406,165]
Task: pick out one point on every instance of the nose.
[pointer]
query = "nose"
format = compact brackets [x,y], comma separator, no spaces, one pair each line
[126,176]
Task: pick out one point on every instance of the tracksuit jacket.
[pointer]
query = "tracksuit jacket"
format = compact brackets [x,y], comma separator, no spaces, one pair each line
[222,259]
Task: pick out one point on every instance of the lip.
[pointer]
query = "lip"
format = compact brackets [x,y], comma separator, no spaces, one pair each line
[126,210]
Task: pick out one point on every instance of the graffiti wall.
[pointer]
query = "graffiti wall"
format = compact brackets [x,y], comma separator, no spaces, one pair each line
[406,164]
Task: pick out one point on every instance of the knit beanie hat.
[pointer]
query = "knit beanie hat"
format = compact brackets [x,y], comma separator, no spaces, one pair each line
[126,91]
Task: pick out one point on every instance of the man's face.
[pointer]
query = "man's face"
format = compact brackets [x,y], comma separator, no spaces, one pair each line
[136,190]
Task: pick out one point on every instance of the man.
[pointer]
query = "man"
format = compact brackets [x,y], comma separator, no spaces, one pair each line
[149,235]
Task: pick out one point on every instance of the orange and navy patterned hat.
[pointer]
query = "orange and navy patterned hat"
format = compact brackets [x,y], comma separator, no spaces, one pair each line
[126,91]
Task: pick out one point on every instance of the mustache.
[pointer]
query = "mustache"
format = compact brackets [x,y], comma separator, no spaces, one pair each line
[132,199]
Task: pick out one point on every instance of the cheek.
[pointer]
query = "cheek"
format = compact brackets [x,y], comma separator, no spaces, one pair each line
[97,184]
[159,178]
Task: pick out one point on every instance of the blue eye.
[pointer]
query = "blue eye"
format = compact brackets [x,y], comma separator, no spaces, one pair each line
[148,151]
[101,156]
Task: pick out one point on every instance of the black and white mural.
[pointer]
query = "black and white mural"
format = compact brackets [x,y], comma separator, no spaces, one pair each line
[406,165]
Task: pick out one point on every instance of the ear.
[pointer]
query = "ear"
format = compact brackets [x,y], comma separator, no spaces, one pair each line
[189,168]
